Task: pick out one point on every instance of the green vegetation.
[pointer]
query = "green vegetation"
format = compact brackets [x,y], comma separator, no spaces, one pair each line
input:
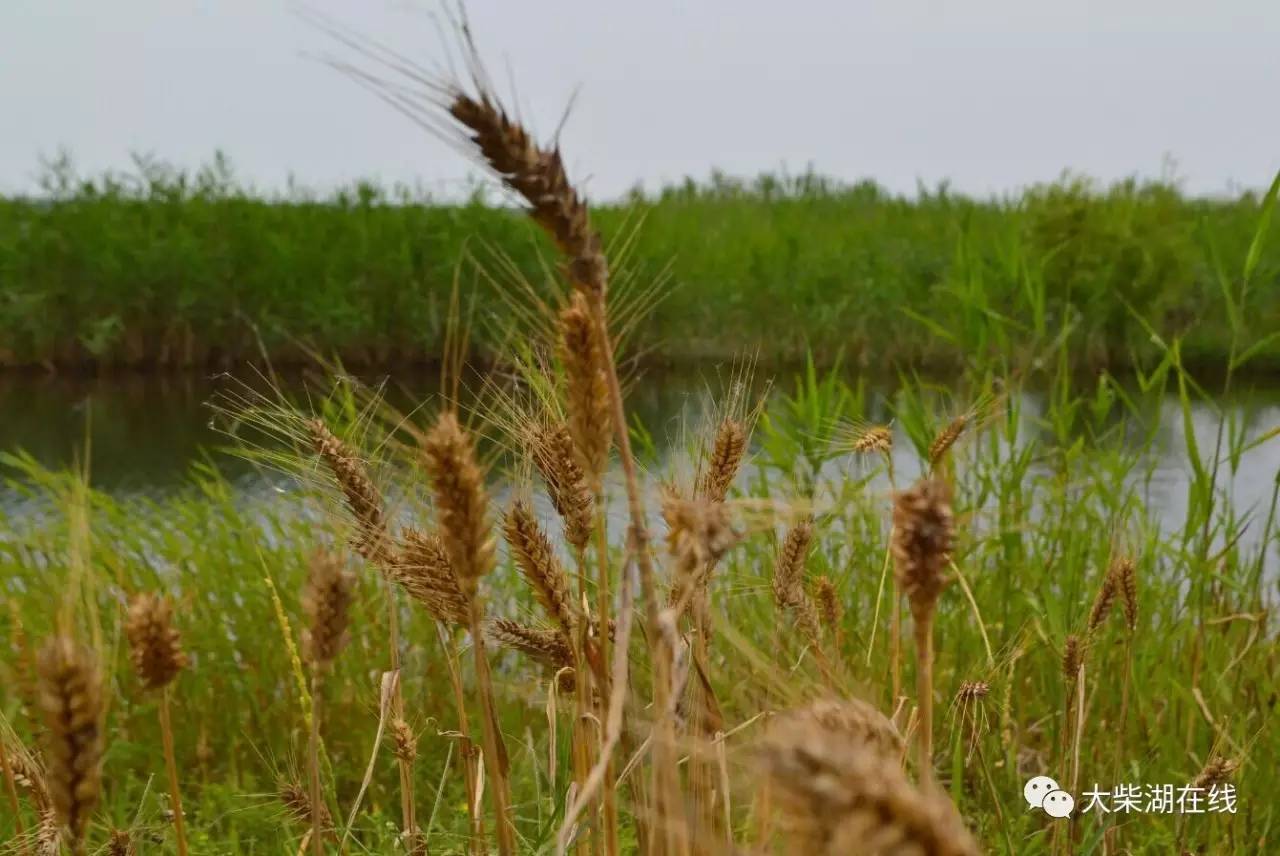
[168,269]
[1046,501]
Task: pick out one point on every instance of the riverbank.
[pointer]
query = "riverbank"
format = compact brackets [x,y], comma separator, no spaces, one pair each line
[176,271]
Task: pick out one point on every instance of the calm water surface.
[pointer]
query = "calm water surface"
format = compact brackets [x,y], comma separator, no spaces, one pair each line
[142,435]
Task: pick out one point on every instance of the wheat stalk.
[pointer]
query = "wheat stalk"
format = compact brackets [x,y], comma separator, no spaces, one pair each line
[71,703]
[327,602]
[156,650]
[923,539]
[461,502]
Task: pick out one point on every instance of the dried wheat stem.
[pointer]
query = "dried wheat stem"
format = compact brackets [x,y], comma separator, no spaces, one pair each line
[538,175]
[171,770]
[373,542]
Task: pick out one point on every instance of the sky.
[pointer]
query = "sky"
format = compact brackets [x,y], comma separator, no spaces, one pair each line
[988,95]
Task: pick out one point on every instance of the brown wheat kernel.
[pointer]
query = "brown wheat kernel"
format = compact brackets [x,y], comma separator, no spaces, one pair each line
[830,610]
[297,804]
[404,743]
[852,718]
[946,438]
[120,843]
[1216,772]
[1072,657]
[539,176]
[877,439]
[1126,573]
[1104,600]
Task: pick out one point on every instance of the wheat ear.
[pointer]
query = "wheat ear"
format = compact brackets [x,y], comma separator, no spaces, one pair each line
[156,649]
[923,539]
[840,793]
[327,602]
[71,703]
[461,502]
[538,175]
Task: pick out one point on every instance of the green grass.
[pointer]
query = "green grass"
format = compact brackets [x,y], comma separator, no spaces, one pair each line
[161,268]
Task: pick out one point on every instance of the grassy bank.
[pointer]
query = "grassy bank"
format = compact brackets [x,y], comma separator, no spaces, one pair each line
[1045,504]
[169,270]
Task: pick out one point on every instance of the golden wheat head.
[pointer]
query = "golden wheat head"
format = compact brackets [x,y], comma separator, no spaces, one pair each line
[72,704]
[154,643]
[461,501]
[838,795]
[555,456]
[725,459]
[421,567]
[923,538]
[327,602]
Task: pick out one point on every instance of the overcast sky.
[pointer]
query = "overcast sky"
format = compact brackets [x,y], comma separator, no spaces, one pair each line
[990,94]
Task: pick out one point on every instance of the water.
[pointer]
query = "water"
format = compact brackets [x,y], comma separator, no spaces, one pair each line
[142,434]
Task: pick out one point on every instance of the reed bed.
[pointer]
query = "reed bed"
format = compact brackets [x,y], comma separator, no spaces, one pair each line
[501,624]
